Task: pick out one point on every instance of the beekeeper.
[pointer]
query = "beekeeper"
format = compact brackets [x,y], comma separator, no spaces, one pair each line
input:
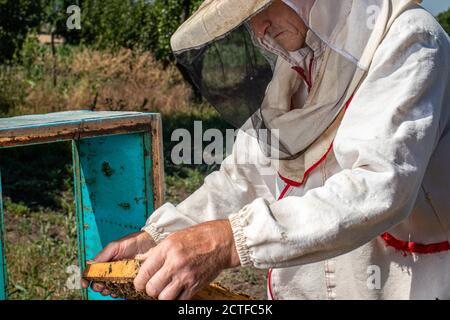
[339,180]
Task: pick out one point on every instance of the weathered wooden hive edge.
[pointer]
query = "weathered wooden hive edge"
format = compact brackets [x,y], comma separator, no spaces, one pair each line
[77,130]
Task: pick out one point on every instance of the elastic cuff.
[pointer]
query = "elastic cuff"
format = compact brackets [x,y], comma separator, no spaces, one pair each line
[154,233]
[239,239]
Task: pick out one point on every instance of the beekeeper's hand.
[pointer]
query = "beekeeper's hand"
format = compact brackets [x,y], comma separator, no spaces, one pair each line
[187,260]
[124,248]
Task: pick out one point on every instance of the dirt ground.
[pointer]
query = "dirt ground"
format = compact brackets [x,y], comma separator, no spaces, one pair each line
[247,280]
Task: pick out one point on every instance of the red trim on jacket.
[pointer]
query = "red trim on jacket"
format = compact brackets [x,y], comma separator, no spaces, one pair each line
[414,247]
[296,184]
[269,284]
[302,74]
[283,193]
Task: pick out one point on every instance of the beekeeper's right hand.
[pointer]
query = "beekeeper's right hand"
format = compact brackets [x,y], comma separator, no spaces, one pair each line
[125,248]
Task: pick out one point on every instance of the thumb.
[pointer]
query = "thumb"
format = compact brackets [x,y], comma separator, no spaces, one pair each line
[108,253]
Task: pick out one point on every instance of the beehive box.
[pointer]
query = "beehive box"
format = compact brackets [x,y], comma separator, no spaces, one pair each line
[118,278]
[118,172]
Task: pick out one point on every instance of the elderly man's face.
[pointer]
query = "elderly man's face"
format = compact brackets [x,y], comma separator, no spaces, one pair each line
[281,23]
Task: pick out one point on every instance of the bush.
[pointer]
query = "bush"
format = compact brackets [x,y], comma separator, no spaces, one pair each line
[87,78]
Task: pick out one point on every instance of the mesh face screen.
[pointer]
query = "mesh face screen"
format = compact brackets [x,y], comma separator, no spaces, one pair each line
[232,74]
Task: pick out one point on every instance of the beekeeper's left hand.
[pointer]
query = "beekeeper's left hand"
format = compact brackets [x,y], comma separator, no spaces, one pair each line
[187,260]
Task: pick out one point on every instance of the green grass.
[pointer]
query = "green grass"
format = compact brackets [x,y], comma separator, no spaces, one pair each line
[180,185]
[40,245]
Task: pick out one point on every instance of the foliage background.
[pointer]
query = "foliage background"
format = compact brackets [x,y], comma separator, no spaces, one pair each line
[444,20]
[133,24]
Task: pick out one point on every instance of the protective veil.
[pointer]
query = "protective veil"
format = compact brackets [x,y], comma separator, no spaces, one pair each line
[250,81]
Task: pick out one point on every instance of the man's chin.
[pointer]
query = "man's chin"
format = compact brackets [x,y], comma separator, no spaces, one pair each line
[294,48]
[291,46]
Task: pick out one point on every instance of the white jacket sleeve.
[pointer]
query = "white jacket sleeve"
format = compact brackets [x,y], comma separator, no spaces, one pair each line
[383,147]
[237,183]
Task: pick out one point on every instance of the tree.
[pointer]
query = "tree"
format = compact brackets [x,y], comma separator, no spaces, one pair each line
[444,20]
[54,15]
[143,24]
[17,18]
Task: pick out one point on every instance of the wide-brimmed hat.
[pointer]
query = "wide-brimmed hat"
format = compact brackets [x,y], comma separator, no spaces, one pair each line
[204,25]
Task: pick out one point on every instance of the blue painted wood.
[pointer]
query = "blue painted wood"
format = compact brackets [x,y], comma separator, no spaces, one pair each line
[3,279]
[61,118]
[114,191]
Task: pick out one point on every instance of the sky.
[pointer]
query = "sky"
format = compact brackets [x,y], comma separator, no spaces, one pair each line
[436,6]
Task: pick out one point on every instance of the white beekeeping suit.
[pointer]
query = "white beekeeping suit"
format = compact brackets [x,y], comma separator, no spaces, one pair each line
[339,180]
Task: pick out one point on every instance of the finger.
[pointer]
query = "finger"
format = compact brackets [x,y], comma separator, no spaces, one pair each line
[171,291]
[106,292]
[84,284]
[108,253]
[148,269]
[98,287]
[141,257]
[158,282]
